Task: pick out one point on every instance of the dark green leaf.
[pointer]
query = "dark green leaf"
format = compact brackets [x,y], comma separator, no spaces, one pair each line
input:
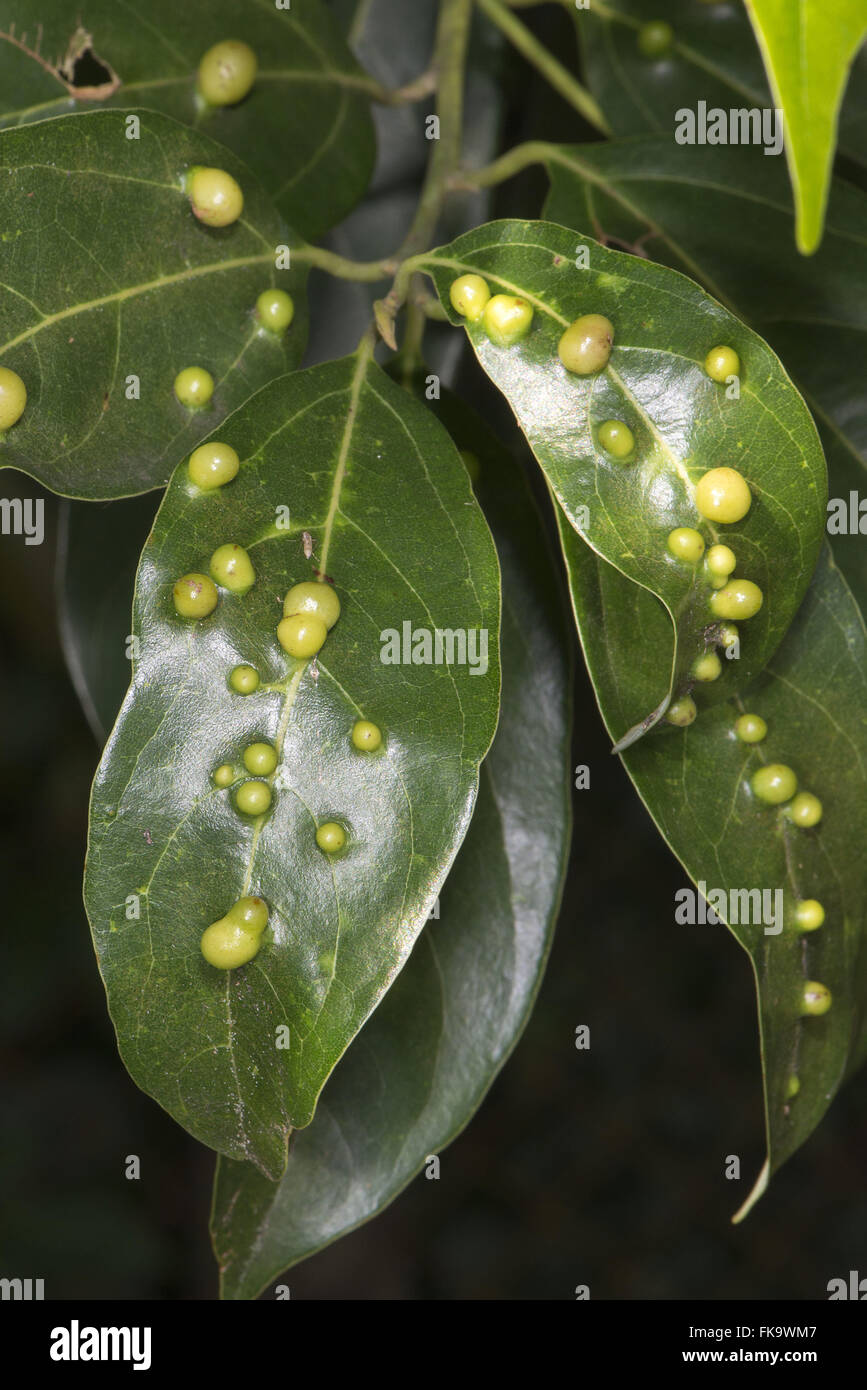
[695,783]
[305,129]
[96,619]
[107,275]
[419,1069]
[683,423]
[379,485]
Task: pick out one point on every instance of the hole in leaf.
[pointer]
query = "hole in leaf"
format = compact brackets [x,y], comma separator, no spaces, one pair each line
[86,74]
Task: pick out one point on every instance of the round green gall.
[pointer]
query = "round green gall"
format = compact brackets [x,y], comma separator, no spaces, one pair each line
[809,914]
[469,294]
[721,363]
[331,837]
[301,636]
[194,387]
[723,495]
[313,599]
[506,319]
[728,635]
[815,999]
[224,775]
[250,914]
[275,310]
[226,945]
[655,38]
[750,728]
[805,811]
[686,544]
[366,736]
[681,712]
[212,465]
[195,596]
[244,679]
[774,783]
[231,567]
[739,598]
[216,198]
[616,438]
[585,347]
[260,759]
[471,464]
[253,798]
[227,72]
[720,561]
[707,667]
[13,398]
[793,1086]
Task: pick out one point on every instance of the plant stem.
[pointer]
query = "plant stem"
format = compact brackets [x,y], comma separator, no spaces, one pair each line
[559,77]
[509,164]
[342,268]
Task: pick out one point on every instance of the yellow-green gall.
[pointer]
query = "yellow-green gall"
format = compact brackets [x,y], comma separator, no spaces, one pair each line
[469,294]
[301,636]
[721,363]
[331,837]
[774,783]
[471,464]
[720,561]
[728,635]
[231,566]
[275,310]
[13,398]
[249,913]
[809,914]
[815,999]
[224,775]
[793,1086]
[739,598]
[585,347]
[253,798]
[681,712]
[506,319]
[260,759]
[707,667]
[227,72]
[655,38]
[226,945]
[216,198]
[195,596]
[244,679]
[616,438]
[723,495]
[686,544]
[805,811]
[194,387]
[750,728]
[313,599]
[212,465]
[366,736]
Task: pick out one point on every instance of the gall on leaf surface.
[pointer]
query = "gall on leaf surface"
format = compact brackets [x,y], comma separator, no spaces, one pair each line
[379,486]
[110,286]
[684,425]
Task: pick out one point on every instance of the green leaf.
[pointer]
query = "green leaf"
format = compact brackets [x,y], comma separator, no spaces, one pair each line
[695,784]
[724,216]
[378,484]
[95,620]
[683,424]
[421,1065]
[305,129]
[108,276]
[808,53]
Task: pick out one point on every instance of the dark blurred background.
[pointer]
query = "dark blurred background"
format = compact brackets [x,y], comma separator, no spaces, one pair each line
[604,1167]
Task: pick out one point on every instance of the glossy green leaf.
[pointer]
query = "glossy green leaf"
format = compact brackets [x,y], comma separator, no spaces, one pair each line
[305,129]
[808,51]
[725,217]
[683,423]
[695,783]
[95,620]
[378,485]
[419,1068]
[110,286]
